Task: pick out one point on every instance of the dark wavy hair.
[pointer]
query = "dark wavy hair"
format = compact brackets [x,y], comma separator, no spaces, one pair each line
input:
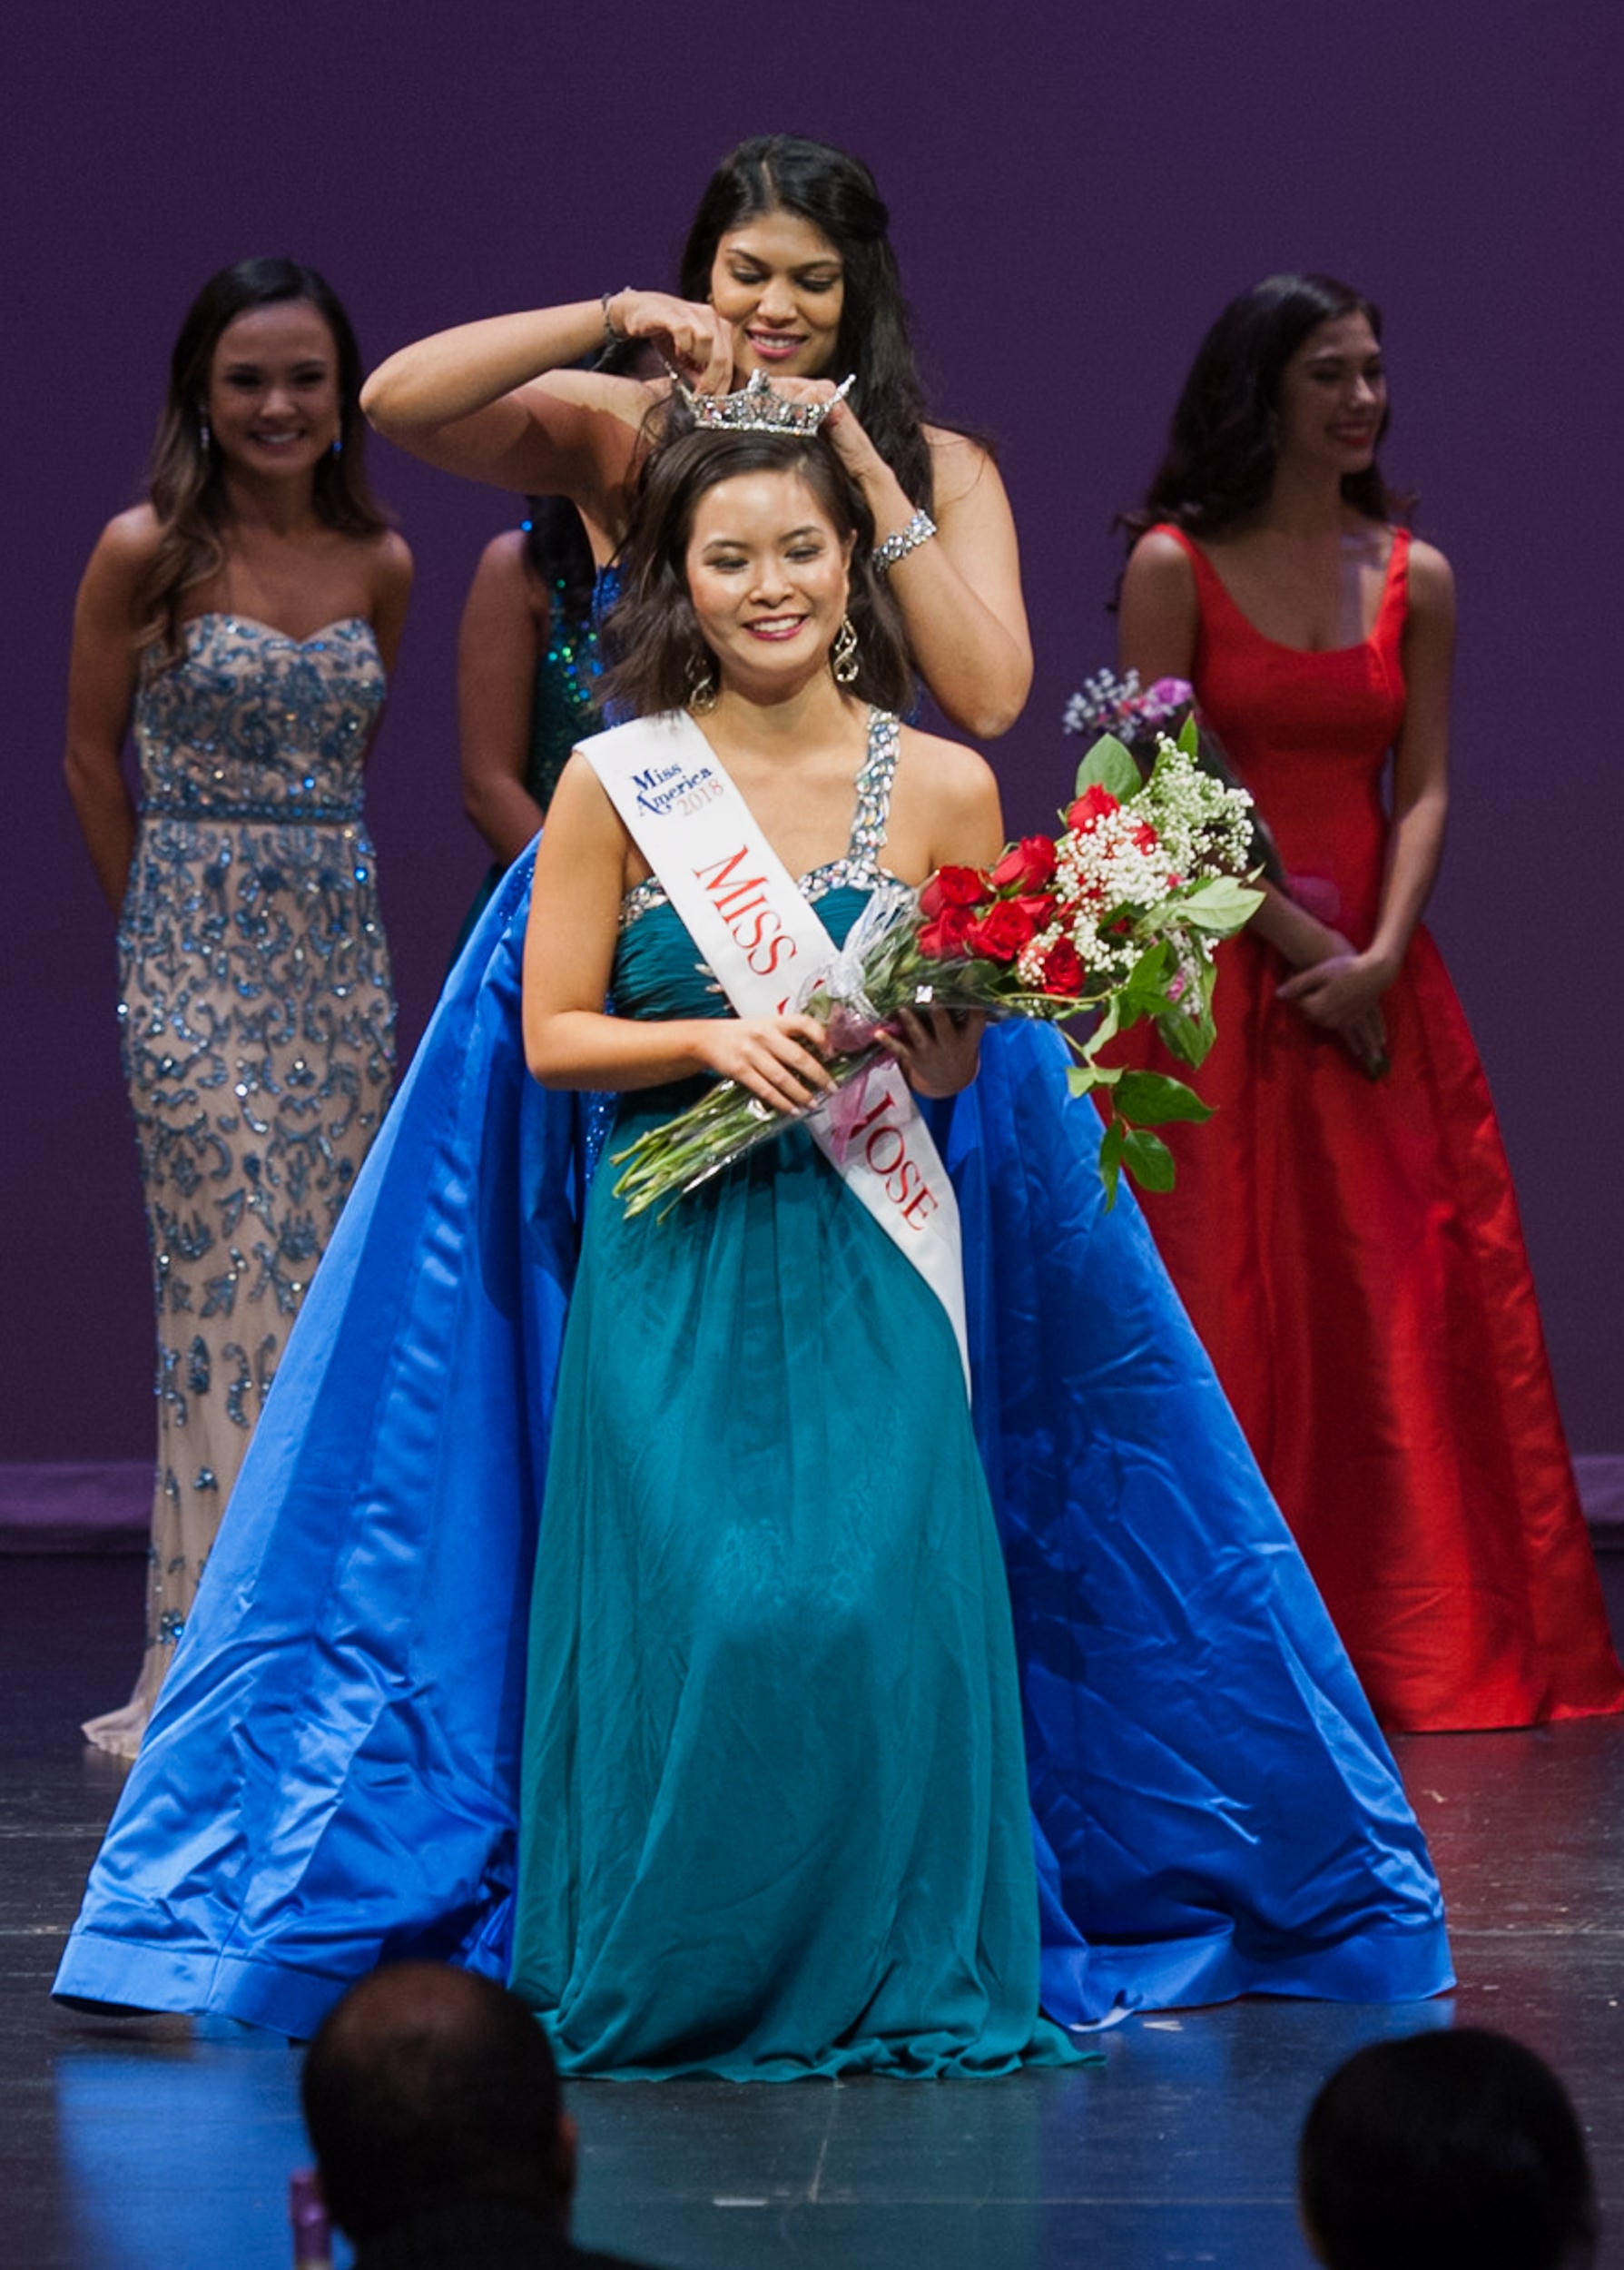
[184,483]
[1445,2148]
[837,194]
[652,636]
[1225,445]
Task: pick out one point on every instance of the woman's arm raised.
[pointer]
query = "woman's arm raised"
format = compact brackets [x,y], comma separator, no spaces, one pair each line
[569,954]
[960,592]
[499,401]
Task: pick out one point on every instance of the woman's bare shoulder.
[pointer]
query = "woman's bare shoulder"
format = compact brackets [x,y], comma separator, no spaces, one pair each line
[1432,579]
[124,552]
[391,560]
[130,540]
[949,772]
[1161,557]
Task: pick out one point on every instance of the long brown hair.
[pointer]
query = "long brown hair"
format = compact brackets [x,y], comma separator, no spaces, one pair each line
[836,194]
[185,482]
[652,636]
[1225,441]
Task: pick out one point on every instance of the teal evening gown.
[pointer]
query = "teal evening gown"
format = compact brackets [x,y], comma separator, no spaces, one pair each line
[773,1786]
[821,1722]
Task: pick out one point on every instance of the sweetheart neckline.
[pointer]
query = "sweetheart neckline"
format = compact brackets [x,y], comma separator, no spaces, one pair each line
[255,622]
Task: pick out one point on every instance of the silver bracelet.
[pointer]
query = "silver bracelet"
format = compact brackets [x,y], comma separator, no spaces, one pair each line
[612,338]
[920,530]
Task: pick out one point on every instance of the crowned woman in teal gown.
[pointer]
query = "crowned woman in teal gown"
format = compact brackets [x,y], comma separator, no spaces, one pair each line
[836,1721]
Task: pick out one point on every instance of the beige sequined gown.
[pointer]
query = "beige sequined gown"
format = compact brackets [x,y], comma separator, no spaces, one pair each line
[258,1021]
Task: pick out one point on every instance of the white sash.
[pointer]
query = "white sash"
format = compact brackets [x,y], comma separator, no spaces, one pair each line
[747,915]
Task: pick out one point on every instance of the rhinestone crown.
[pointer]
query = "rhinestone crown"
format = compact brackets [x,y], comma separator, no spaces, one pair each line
[757,409]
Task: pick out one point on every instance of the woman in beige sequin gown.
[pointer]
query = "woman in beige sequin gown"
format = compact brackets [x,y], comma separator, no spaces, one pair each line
[241,623]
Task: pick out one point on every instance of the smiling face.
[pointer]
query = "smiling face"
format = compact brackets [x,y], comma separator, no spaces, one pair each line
[274,391]
[766,574]
[1334,397]
[778,281]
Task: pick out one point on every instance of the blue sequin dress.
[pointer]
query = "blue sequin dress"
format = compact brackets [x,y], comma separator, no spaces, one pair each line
[258,1025]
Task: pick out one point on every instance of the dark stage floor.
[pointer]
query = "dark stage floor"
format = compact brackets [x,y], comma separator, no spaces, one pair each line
[170,2152]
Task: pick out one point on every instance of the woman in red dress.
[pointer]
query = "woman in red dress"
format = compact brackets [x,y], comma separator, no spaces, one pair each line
[1344,1233]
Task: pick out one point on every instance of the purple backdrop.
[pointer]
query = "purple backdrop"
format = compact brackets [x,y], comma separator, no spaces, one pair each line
[1074,195]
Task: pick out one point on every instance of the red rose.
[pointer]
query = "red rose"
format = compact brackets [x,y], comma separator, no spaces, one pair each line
[1093,806]
[952,886]
[943,939]
[1039,911]
[1029,866]
[999,934]
[1063,969]
[1146,837]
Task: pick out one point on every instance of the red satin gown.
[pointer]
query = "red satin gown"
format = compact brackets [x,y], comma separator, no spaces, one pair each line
[1350,1250]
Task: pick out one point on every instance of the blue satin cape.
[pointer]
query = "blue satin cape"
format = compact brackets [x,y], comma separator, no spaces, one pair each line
[330,1779]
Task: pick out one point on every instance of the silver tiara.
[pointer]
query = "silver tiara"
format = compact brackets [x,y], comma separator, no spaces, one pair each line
[756,409]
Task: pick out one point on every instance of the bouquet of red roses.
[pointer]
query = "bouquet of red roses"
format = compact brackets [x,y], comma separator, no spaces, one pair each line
[1116,917]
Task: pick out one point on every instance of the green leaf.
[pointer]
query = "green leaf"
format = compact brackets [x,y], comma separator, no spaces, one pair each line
[1153,1099]
[1080,1078]
[1189,1030]
[1109,765]
[1189,1038]
[1110,1025]
[1189,737]
[1147,1158]
[1110,1159]
[1222,904]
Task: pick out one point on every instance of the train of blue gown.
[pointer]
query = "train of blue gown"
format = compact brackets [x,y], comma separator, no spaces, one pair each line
[330,1778]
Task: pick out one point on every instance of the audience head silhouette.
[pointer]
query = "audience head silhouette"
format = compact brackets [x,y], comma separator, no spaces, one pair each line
[426,2086]
[1445,2150]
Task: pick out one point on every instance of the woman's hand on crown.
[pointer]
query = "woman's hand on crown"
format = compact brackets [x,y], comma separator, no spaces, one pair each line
[843,425]
[778,1059]
[693,337]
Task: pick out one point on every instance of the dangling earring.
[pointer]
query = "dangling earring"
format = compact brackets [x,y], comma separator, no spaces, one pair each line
[842,655]
[205,439]
[337,445]
[701,683]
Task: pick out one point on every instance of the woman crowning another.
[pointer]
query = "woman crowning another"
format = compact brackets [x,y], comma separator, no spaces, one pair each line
[833,1721]
[788,272]
[242,622]
[1344,1232]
